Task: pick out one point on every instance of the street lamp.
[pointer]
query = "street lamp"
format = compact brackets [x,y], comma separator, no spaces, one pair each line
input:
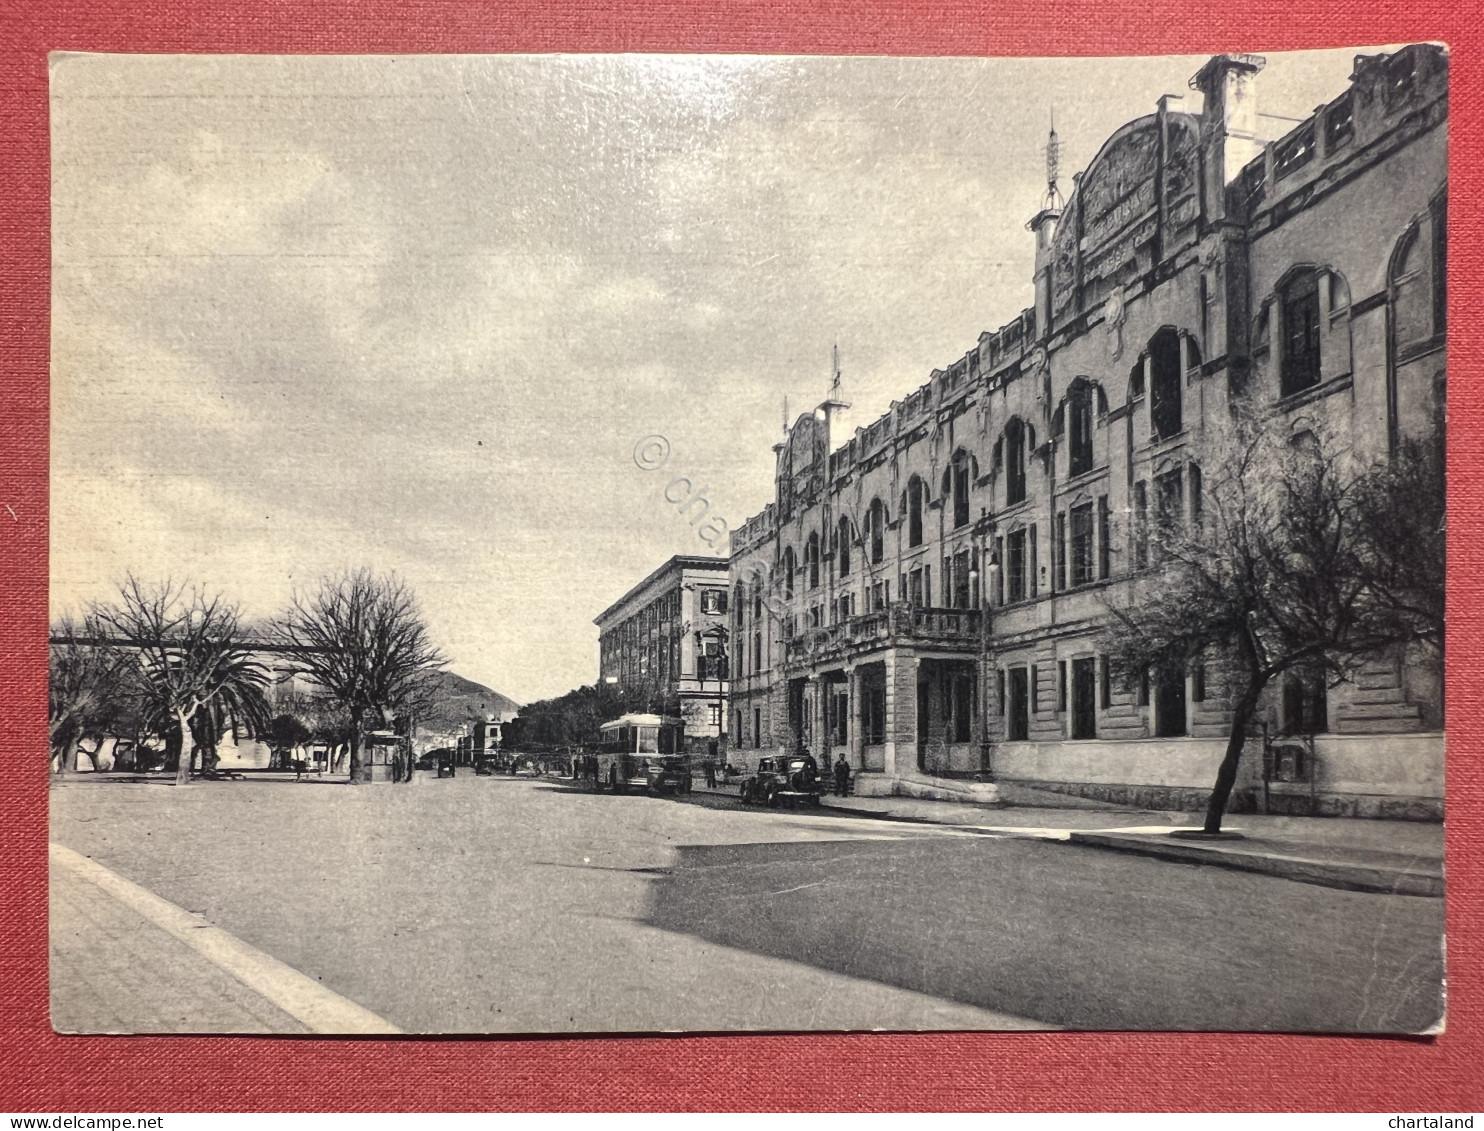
[986,601]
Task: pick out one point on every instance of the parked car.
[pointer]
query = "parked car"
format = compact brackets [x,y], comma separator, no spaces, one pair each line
[439,760]
[795,778]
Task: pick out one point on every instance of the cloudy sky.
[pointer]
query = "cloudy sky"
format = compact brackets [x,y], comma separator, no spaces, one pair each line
[415,313]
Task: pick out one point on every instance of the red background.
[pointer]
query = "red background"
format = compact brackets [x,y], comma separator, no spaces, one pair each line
[40,1071]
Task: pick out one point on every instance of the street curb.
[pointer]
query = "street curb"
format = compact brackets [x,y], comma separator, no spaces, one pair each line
[1325,873]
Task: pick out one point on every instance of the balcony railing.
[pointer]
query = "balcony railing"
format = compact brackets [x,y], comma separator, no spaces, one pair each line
[899,624]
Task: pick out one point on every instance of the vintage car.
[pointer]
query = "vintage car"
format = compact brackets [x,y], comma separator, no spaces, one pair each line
[795,779]
[440,760]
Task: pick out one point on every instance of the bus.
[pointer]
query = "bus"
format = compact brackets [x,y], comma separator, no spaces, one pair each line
[641,752]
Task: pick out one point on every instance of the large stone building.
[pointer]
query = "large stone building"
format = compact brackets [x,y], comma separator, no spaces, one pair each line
[926,595]
[668,636]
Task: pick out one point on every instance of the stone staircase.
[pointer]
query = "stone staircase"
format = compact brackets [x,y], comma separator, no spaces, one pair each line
[1377,703]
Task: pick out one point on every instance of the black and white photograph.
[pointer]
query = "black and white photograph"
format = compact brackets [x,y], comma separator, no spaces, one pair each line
[560,544]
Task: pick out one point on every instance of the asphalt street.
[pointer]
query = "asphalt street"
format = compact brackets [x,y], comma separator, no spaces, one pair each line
[519,905]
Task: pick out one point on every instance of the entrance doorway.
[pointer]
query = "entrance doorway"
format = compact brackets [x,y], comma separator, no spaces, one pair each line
[1169,704]
[924,701]
[1017,710]
[1084,698]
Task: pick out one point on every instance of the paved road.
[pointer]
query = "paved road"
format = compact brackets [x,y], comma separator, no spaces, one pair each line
[500,905]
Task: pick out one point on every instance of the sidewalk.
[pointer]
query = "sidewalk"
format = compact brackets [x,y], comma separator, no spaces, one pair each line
[1395,857]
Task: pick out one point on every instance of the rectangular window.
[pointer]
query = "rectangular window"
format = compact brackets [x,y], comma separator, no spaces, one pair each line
[961,580]
[1082,544]
[927,585]
[1059,554]
[757,727]
[1144,688]
[999,574]
[714,715]
[1198,682]
[1105,683]
[1035,692]
[1105,555]
[999,690]
[1031,554]
[1196,504]
[1339,124]
[1401,79]
[1169,502]
[1016,565]
[842,718]
[1061,685]
[1294,152]
[915,589]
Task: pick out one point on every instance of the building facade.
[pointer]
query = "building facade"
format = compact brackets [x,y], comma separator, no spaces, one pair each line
[926,595]
[668,636]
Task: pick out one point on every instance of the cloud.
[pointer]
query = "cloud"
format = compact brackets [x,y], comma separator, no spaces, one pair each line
[414,313]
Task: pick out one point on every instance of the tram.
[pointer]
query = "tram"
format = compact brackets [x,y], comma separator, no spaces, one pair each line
[641,752]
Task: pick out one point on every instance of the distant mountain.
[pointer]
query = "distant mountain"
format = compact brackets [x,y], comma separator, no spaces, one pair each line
[461,701]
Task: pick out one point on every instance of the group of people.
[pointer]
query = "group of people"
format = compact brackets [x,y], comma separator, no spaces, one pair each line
[840,771]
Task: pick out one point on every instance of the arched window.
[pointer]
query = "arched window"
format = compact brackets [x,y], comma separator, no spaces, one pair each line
[843,550]
[876,521]
[811,560]
[916,500]
[1166,376]
[1412,305]
[1299,312]
[789,565]
[962,476]
[1014,462]
[1080,441]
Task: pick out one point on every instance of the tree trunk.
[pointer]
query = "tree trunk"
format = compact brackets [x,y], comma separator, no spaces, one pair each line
[355,745]
[1226,776]
[183,763]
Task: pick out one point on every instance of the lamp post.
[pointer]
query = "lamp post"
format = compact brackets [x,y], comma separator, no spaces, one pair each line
[986,634]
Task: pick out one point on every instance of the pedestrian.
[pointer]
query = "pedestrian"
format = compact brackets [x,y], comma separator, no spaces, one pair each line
[842,777]
[710,773]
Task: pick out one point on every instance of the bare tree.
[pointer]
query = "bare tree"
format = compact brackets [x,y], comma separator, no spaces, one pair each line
[1270,578]
[194,666]
[361,638]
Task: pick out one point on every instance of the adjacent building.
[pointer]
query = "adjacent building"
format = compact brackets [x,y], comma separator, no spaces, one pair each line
[668,637]
[926,594]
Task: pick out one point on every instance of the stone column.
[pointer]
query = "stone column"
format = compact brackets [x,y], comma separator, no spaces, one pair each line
[856,755]
[901,713]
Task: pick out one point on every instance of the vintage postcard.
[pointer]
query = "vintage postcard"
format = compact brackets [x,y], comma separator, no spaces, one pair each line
[549,544]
